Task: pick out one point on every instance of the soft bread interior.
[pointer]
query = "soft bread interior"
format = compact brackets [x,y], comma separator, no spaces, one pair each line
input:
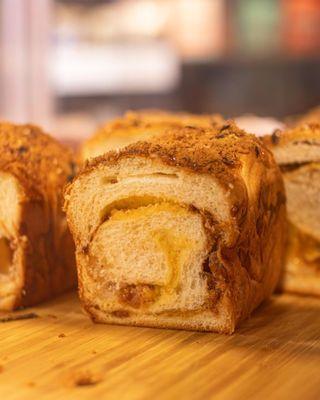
[160,247]
[142,243]
[295,146]
[302,272]
[300,150]
[303,198]
[10,252]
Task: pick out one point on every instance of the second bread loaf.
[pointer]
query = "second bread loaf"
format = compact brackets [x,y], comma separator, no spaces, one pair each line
[36,247]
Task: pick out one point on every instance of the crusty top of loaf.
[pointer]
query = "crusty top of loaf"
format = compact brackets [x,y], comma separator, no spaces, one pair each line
[38,161]
[235,159]
[296,145]
[153,121]
[179,118]
[211,151]
[301,132]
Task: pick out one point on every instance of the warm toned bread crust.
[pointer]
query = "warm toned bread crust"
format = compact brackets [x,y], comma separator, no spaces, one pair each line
[140,125]
[42,167]
[178,117]
[306,133]
[217,151]
[297,151]
[41,164]
[247,248]
[296,145]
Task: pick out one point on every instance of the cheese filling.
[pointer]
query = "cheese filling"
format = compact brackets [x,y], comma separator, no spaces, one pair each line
[148,254]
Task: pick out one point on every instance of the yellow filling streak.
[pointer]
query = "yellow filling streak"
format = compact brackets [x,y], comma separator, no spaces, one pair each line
[129,204]
[146,210]
[175,247]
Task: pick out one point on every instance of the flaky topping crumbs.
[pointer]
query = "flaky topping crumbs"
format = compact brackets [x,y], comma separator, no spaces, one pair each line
[305,133]
[37,160]
[215,150]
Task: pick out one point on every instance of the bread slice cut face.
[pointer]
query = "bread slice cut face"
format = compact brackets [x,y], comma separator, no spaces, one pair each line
[11,254]
[297,151]
[169,241]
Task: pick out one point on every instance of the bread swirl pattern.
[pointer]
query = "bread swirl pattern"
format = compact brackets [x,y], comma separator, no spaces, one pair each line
[184,231]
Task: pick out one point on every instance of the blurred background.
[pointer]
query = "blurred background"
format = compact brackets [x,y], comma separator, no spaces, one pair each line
[72,64]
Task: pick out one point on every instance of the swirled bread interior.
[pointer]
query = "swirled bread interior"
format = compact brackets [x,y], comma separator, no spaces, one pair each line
[179,232]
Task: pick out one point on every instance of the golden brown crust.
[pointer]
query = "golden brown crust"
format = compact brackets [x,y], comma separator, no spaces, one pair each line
[42,166]
[146,123]
[245,269]
[306,133]
[39,162]
[179,321]
[215,150]
[179,118]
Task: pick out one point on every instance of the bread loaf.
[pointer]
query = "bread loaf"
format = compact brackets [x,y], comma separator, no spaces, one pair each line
[184,231]
[140,125]
[297,152]
[36,248]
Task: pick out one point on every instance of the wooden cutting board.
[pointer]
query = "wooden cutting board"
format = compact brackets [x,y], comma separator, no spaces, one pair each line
[60,354]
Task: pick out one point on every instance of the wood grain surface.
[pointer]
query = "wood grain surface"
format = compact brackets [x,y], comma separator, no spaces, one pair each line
[57,353]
